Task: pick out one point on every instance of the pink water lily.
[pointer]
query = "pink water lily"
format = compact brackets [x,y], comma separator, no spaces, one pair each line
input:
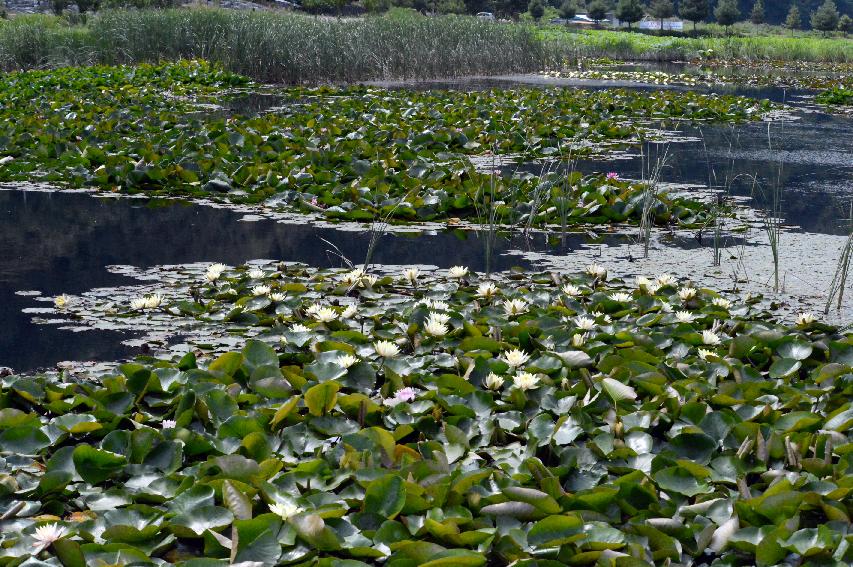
[612,175]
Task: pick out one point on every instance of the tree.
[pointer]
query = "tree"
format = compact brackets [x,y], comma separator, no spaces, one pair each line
[757,15]
[826,17]
[845,24]
[693,10]
[536,9]
[794,21]
[727,13]
[568,10]
[629,11]
[661,9]
[597,10]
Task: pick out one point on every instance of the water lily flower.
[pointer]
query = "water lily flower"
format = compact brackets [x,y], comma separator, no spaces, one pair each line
[325,314]
[402,395]
[346,360]
[494,382]
[349,312]
[571,290]
[353,277]
[214,271]
[257,274]
[440,306]
[260,290]
[153,301]
[621,297]
[369,280]
[666,279]
[299,328]
[313,308]
[457,272]
[516,357]
[686,293]
[578,339]
[47,534]
[277,296]
[597,271]
[487,290]
[61,301]
[684,316]
[168,424]
[710,337]
[138,303]
[612,175]
[386,349]
[284,510]
[721,302]
[435,327]
[514,306]
[705,353]
[440,317]
[585,323]
[653,288]
[526,381]
[411,275]
[643,281]
[665,307]
[607,318]
[805,319]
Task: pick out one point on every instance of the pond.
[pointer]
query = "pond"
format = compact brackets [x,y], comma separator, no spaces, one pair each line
[63,242]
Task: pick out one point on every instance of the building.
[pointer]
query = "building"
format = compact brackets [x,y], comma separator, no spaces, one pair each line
[669,24]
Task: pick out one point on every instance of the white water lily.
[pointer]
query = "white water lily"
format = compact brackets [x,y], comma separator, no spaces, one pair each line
[516,357]
[411,275]
[325,314]
[313,308]
[440,306]
[653,288]
[386,349]
[402,395]
[643,282]
[47,534]
[457,272]
[705,353]
[686,293]
[721,302]
[214,272]
[805,319]
[526,381]
[284,510]
[277,296]
[494,382]
[621,297]
[353,277]
[349,312]
[578,340]
[514,307]
[369,280]
[346,360]
[153,301]
[666,307]
[434,327]
[487,290]
[299,328]
[168,424]
[257,274]
[585,323]
[61,301]
[666,279]
[684,316]
[597,271]
[710,337]
[260,290]
[571,290]
[139,303]
[440,317]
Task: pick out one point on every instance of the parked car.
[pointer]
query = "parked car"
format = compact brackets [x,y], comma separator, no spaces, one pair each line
[485,15]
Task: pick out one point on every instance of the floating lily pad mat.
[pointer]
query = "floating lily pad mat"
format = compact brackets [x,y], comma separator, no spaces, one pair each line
[442,419]
[357,153]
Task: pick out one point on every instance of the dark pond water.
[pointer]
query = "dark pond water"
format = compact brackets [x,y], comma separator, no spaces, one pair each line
[61,242]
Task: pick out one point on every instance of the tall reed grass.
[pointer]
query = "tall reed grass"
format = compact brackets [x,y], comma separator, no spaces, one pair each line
[279,47]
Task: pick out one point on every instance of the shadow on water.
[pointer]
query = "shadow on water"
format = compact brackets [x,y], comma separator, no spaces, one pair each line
[61,242]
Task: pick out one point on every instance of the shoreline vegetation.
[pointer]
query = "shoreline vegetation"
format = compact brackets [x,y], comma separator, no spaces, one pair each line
[298,49]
